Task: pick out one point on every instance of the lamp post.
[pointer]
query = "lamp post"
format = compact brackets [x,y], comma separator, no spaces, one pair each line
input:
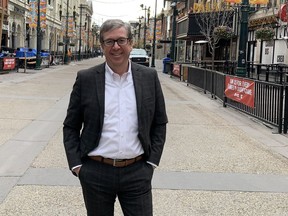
[139,30]
[154,37]
[88,32]
[242,66]
[66,35]
[145,26]
[94,33]
[172,48]
[39,35]
[80,33]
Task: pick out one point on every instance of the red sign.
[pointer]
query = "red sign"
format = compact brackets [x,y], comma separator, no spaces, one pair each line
[283,13]
[176,69]
[9,63]
[240,90]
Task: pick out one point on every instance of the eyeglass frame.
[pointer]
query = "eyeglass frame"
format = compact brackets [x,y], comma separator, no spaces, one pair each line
[104,41]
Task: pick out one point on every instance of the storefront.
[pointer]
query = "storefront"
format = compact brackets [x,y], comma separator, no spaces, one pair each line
[3,22]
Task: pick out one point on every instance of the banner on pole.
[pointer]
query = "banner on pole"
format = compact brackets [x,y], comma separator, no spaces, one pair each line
[234,1]
[258,1]
[33,14]
[32,17]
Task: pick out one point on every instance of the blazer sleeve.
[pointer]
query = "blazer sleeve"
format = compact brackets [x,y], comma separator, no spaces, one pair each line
[72,125]
[158,125]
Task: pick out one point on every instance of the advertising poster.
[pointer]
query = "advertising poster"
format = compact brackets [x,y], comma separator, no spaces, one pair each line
[240,90]
[176,69]
[9,63]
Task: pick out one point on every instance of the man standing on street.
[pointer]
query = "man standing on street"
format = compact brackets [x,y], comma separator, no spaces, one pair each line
[115,128]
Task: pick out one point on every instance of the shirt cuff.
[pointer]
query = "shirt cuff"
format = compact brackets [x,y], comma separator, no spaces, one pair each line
[152,164]
[76,167]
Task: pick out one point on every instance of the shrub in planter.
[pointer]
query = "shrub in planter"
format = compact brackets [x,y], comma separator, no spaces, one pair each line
[223,32]
[264,33]
[148,46]
[72,44]
[60,44]
[159,46]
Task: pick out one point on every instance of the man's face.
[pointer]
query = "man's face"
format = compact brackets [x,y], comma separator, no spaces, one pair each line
[116,55]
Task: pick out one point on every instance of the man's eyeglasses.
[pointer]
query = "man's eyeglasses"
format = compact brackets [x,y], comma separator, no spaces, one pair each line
[120,42]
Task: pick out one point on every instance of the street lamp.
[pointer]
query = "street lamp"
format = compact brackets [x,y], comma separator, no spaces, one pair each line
[80,32]
[138,44]
[66,38]
[66,35]
[154,37]
[87,25]
[94,33]
[145,26]
[134,25]
[172,49]
[39,38]
[242,66]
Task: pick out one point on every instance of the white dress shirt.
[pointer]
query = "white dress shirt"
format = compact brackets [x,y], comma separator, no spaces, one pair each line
[119,139]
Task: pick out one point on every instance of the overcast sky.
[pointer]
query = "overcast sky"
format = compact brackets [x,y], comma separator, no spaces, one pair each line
[127,10]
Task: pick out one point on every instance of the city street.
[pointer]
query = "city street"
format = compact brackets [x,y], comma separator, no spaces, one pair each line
[216,160]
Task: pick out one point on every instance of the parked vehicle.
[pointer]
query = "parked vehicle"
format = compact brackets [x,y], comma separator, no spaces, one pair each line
[140,56]
[22,51]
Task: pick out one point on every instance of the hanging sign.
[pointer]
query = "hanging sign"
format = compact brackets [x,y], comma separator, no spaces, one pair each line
[33,14]
[43,8]
[283,13]
[32,18]
[240,90]
[258,1]
[234,1]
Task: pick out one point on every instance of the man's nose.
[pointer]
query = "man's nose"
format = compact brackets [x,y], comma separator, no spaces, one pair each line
[115,44]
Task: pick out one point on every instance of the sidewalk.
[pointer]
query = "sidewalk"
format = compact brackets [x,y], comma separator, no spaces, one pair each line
[216,161]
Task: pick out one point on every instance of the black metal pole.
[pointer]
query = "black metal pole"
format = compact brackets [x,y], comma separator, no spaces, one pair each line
[145,27]
[80,30]
[139,34]
[172,48]
[88,44]
[38,55]
[66,36]
[154,37]
[242,66]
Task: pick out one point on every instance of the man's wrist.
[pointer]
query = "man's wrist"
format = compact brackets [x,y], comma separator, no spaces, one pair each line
[152,164]
[75,170]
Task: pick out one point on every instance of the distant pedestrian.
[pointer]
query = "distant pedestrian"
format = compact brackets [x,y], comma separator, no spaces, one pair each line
[69,54]
[115,128]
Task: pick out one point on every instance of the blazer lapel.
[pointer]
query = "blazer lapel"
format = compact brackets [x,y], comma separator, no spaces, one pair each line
[137,77]
[100,89]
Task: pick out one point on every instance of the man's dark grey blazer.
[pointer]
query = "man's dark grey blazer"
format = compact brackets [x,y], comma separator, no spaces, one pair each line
[85,115]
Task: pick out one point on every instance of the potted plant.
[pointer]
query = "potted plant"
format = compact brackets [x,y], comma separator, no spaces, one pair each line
[159,46]
[148,46]
[60,44]
[223,32]
[265,33]
[72,44]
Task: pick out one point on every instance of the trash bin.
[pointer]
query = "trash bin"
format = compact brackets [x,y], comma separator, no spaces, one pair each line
[166,65]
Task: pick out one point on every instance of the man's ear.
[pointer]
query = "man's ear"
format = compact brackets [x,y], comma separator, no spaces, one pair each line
[102,48]
[131,43]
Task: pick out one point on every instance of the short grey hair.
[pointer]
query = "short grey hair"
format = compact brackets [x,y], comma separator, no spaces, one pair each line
[112,24]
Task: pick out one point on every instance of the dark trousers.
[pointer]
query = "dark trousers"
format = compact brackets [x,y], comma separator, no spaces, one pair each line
[102,183]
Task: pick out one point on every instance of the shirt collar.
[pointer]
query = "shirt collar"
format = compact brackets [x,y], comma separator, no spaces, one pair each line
[111,74]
